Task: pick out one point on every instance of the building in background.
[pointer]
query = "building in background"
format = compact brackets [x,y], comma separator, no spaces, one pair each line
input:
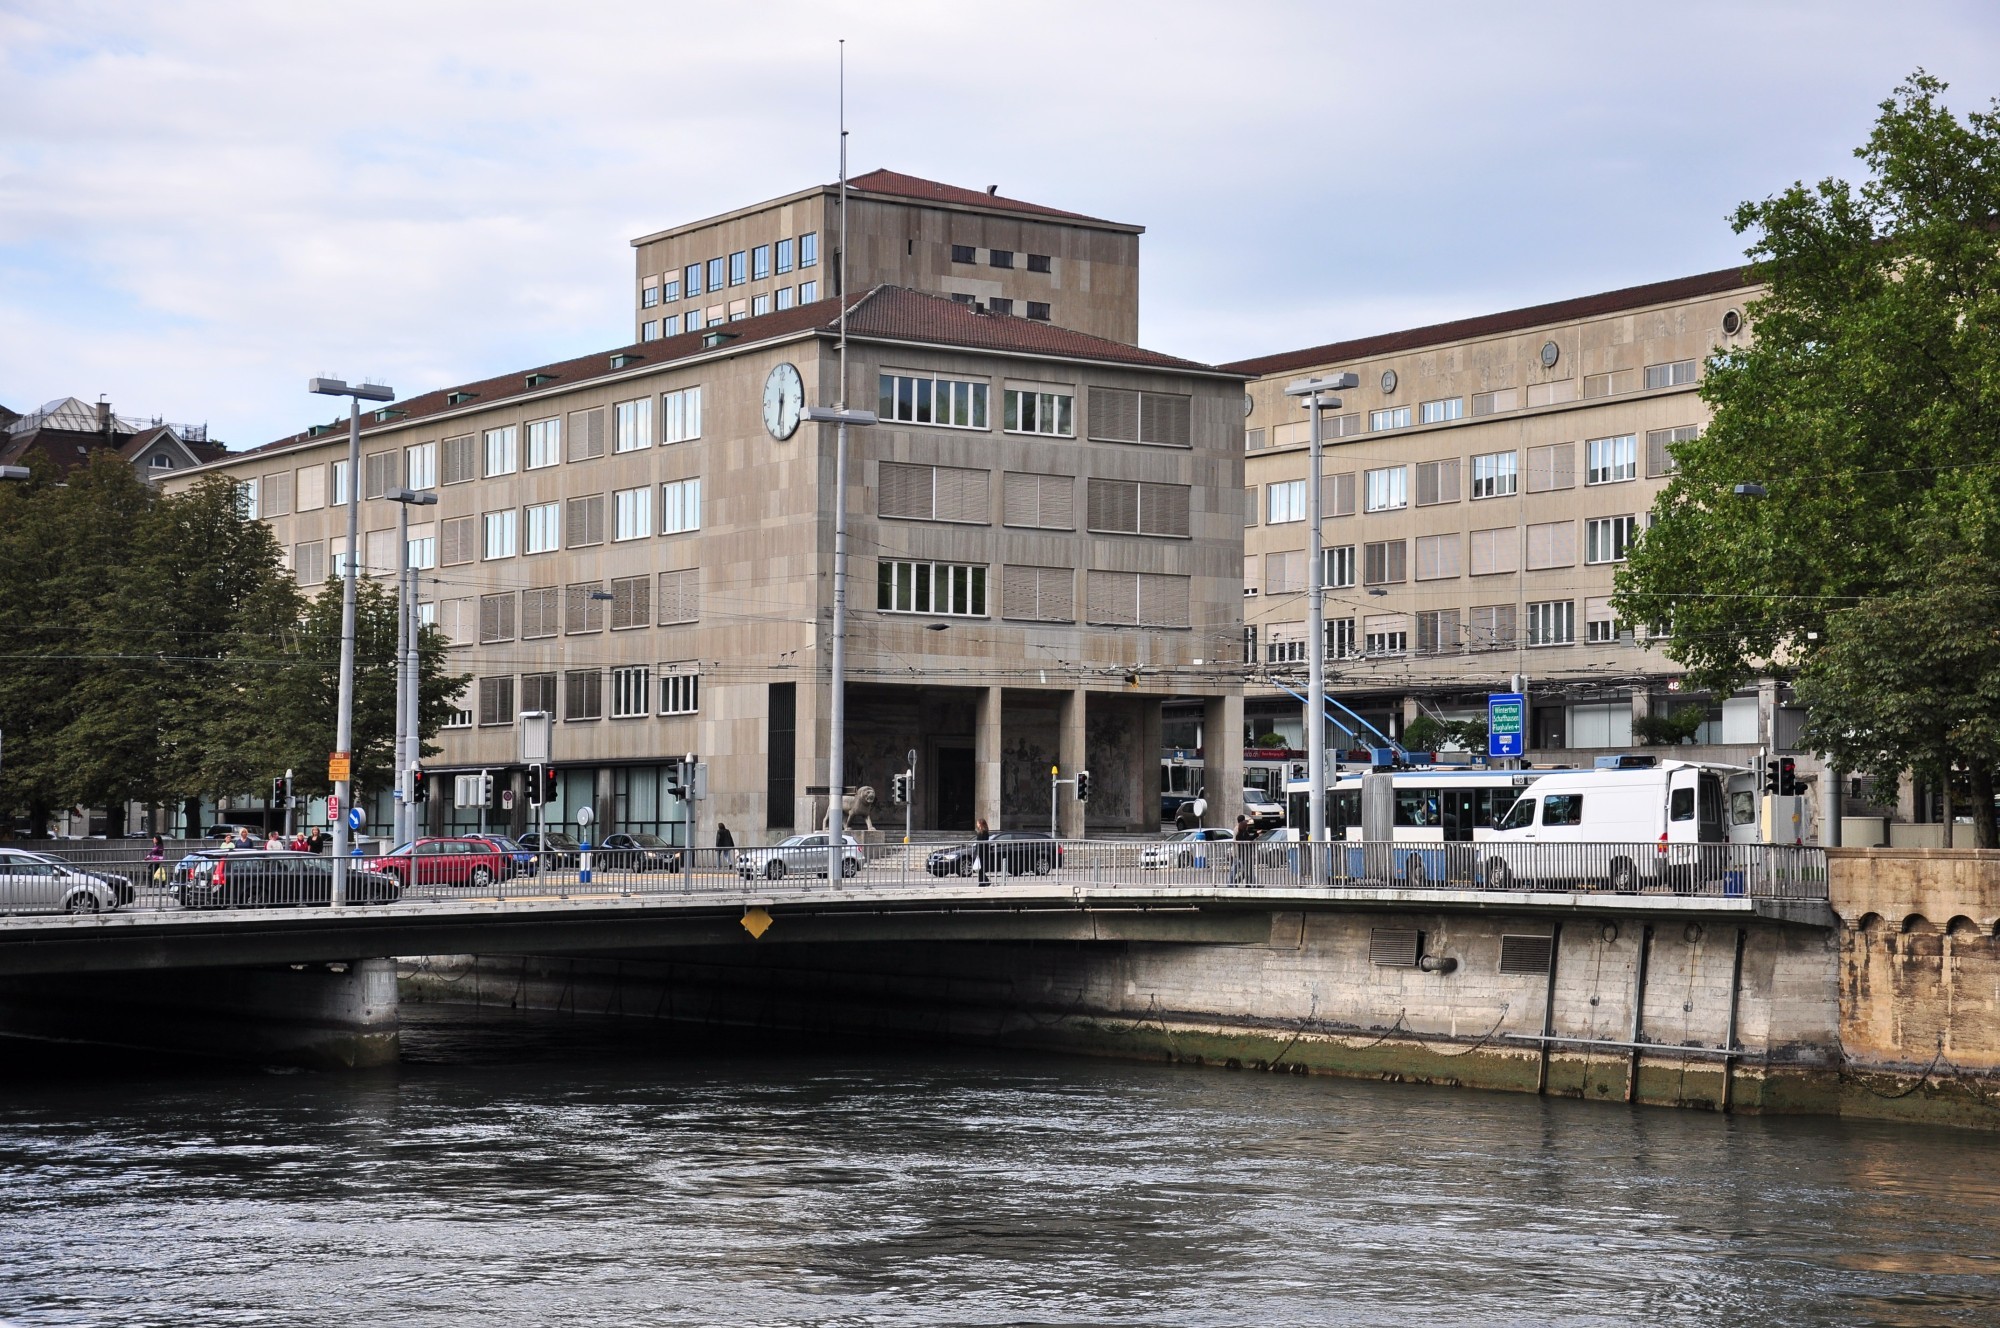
[68,432]
[1001,254]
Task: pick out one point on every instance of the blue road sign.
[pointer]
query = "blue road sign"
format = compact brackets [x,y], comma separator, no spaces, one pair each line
[1506,716]
[354,817]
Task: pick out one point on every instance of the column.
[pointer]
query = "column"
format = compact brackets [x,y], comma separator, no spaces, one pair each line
[1222,759]
[986,740]
[1767,714]
[1146,762]
[1070,755]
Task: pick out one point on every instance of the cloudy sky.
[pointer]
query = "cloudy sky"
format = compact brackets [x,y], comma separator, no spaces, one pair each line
[204,203]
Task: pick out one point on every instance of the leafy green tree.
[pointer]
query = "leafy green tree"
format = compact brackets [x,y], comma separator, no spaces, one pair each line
[1868,410]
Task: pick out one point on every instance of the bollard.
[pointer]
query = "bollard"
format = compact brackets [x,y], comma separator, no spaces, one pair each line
[583,869]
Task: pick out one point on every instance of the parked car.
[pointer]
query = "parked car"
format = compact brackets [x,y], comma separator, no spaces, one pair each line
[37,883]
[227,830]
[800,855]
[640,852]
[449,862]
[1183,848]
[1014,852]
[516,859]
[1274,847]
[1265,812]
[557,849]
[268,878]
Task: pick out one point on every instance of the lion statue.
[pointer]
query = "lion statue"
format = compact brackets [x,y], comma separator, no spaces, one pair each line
[860,806]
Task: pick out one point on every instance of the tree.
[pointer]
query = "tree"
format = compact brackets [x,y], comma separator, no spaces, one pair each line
[1867,408]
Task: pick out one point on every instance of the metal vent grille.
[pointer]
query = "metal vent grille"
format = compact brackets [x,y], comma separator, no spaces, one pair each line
[1526,954]
[1394,947]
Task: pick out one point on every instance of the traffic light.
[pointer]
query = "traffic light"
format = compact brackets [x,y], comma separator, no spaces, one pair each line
[1788,777]
[899,789]
[1772,775]
[535,784]
[488,791]
[281,789]
[1083,786]
[420,787]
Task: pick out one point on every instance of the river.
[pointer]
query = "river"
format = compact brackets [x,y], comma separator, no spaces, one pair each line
[545,1171]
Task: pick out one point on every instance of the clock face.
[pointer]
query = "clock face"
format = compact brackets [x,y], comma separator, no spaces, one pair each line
[1550,354]
[1249,405]
[1388,380]
[784,400]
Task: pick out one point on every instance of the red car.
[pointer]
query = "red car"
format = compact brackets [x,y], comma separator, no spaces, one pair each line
[472,862]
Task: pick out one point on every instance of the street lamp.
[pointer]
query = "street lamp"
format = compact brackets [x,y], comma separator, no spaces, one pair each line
[1315,391]
[343,742]
[836,705]
[409,746]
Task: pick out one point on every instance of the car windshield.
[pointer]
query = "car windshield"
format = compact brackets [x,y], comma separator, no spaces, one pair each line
[500,841]
[649,841]
[556,839]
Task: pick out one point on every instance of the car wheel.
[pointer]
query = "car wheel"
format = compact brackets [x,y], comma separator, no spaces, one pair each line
[965,866]
[849,867]
[1499,876]
[774,870]
[482,877]
[1624,876]
[1043,866]
[83,901]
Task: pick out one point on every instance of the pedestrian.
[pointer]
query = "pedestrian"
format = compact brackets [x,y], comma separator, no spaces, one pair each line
[725,844]
[243,839]
[981,846]
[316,841]
[1244,871]
[156,859]
[298,842]
[274,841]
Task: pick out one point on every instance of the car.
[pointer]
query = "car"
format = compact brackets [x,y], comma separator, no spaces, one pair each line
[38,883]
[636,852]
[227,830]
[277,878]
[1012,852]
[1181,848]
[1264,811]
[516,859]
[449,862]
[556,848]
[799,855]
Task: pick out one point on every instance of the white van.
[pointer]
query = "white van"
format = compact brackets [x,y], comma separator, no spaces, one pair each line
[1634,827]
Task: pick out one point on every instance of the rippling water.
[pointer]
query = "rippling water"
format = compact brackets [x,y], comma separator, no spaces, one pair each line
[544,1172]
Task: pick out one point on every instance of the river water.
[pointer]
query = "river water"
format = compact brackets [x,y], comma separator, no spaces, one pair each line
[554,1172]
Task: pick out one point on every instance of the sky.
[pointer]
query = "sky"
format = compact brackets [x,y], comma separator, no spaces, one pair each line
[205,203]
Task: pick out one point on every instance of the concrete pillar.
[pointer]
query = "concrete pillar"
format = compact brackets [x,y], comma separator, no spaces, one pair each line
[1146,762]
[986,747]
[1072,757]
[603,807]
[1222,758]
[1411,713]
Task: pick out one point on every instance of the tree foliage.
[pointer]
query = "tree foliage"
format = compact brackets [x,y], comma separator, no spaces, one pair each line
[1867,407]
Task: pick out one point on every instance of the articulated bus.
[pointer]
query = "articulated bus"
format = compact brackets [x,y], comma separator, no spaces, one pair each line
[1438,805]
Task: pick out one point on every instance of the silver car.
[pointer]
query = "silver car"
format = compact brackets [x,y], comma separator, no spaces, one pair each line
[36,883]
[800,855]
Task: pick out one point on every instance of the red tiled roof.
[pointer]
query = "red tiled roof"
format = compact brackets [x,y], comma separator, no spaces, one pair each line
[1486,325]
[900,314]
[932,191]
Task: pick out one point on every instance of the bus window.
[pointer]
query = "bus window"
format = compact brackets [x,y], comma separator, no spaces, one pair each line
[1520,816]
[1680,806]
[1742,807]
[1417,808]
[1562,809]
[1344,810]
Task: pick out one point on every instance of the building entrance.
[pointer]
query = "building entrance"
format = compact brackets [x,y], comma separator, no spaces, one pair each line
[954,773]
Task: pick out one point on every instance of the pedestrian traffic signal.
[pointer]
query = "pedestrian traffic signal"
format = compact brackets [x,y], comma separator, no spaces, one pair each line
[1771,776]
[1788,777]
[899,789]
[420,788]
[1083,786]
[281,791]
[541,784]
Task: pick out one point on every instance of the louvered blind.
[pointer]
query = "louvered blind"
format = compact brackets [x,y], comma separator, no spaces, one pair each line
[1163,509]
[1112,599]
[379,553]
[496,618]
[631,602]
[378,472]
[458,460]
[456,619]
[1163,600]
[581,613]
[1114,506]
[1038,594]
[905,491]
[1385,563]
[584,521]
[275,494]
[309,564]
[680,596]
[586,434]
[1045,501]
[1437,482]
[1552,467]
[1114,415]
[458,540]
[1336,494]
[496,701]
[961,495]
[1493,550]
[1492,626]
[538,692]
[1437,631]
[583,694]
[1659,448]
[541,614]
[1438,557]
[1551,544]
[1285,573]
[1165,418]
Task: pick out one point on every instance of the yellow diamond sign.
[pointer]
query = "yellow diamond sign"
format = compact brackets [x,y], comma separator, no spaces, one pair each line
[756,921]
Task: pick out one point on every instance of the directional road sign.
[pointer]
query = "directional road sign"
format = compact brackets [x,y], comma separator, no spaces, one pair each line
[1506,715]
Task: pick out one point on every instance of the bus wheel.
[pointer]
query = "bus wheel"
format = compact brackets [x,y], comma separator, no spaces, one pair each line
[1499,876]
[1624,877]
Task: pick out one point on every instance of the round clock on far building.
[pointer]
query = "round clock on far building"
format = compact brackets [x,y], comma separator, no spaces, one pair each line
[784,401]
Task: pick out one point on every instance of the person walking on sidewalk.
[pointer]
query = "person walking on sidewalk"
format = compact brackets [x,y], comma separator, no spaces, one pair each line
[981,846]
[725,844]
[1244,871]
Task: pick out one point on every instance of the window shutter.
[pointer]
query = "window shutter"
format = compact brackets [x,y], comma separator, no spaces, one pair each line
[631,601]
[905,491]
[584,521]
[1163,509]
[457,541]
[309,564]
[1427,483]
[1552,467]
[586,434]
[1492,626]
[496,618]
[1165,418]
[1336,495]
[962,496]
[1399,561]
[581,613]
[1163,600]
[1021,499]
[680,596]
[378,472]
[1551,544]
[1114,415]
[1114,506]
[1250,496]
[379,556]
[458,460]
[275,494]
[540,614]
[1113,599]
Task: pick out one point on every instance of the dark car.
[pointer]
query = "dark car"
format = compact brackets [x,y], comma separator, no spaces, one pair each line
[640,852]
[557,850]
[255,878]
[1013,852]
[516,859]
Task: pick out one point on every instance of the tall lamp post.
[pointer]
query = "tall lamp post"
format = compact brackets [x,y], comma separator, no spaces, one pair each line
[409,746]
[343,742]
[836,705]
[1315,390]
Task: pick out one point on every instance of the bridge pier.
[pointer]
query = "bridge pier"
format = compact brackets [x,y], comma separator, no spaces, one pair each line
[319,1015]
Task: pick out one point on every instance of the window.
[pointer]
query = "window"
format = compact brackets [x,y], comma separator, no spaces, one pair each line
[680,415]
[1660,444]
[1492,627]
[694,320]
[634,428]
[1438,557]
[760,262]
[680,506]
[1038,594]
[785,297]
[1437,632]
[714,275]
[1279,650]
[953,403]
[1551,544]
[1606,539]
[538,692]
[1337,566]
[1562,809]
[1383,639]
[496,618]
[1387,489]
[1437,482]
[1000,305]
[632,514]
[583,525]
[458,543]
[544,528]
[1285,501]
[1028,411]
[1340,639]
[423,546]
[1441,411]
[809,249]
[954,589]
[379,553]
[1285,572]
[544,444]
[457,718]
[1336,496]
[1678,374]
[1136,599]
[1385,563]
[670,326]
[1395,417]
[1600,623]
[934,493]
[692,279]
[1118,415]
[1130,507]
[309,564]
[246,500]
[738,271]
[161,461]
[759,305]
[339,484]
[808,291]
[500,531]
[649,296]
[311,482]
[1038,310]
[784,255]
[583,694]
[650,331]
[1552,623]
[964,253]
[999,258]
[1038,262]
[337,552]
[378,474]
[1551,468]
[1046,502]
[680,688]
[631,602]
[680,596]
[1494,551]
[541,617]
[496,701]
[1492,403]
[1493,475]
[670,289]
[1610,460]
[502,451]
[420,466]
[583,611]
